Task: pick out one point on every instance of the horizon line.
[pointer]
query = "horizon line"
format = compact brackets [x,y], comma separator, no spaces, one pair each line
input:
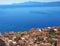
[27,1]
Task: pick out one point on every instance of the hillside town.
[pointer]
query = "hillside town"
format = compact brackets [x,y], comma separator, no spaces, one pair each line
[49,36]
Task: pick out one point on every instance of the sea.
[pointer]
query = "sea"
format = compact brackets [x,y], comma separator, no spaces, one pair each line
[26,18]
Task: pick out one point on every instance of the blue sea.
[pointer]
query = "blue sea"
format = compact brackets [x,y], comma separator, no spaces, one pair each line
[25,18]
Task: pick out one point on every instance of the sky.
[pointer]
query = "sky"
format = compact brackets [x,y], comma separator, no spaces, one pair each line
[21,1]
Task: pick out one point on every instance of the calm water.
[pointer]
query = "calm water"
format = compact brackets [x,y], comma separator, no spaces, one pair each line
[17,19]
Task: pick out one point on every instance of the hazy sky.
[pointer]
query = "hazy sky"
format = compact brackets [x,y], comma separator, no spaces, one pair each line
[20,1]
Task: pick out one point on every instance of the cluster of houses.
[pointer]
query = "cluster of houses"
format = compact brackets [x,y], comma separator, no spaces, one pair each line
[49,36]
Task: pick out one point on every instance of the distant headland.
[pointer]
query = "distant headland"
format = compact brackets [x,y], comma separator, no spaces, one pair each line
[31,4]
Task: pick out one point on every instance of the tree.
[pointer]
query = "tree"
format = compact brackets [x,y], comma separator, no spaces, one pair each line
[51,32]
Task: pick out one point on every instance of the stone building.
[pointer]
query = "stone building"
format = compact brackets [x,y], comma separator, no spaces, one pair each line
[2,43]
